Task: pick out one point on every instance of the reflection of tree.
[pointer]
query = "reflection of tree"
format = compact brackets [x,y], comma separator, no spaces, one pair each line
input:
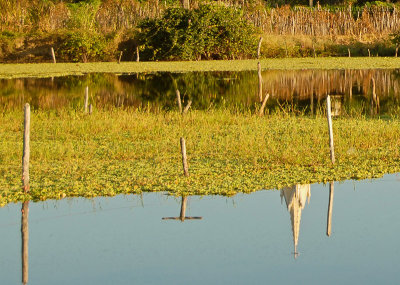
[182,217]
[25,241]
[295,198]
[293,90]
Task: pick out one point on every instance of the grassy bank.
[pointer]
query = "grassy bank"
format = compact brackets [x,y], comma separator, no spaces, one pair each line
[62,69]
[120,151]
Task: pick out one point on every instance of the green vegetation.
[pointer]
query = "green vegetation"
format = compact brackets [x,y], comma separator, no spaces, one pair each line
[208,32]
[82,46]
[129,151]
[62,69]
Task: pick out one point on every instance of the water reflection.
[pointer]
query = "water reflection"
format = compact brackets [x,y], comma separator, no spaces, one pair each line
[354,91]
[295,198]
[182,216]
[25,242]
[330,205]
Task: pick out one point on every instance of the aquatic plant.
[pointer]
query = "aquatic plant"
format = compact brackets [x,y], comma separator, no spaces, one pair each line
[129,151]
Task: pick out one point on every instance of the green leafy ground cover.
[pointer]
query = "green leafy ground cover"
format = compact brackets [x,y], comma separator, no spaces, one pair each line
[62,69]
[129,151]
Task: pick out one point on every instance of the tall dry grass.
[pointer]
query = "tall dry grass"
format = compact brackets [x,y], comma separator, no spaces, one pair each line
[366,23]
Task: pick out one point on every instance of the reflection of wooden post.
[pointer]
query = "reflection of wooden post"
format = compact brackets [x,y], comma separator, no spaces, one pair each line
[183,208]
[120,57]
[329,220]
[328,113]
[53,55]
[260,82]
[26,149]
[184,158]
[182,217]
[25,241]
[264,103]
[178,98]
[86,98]
[187,107]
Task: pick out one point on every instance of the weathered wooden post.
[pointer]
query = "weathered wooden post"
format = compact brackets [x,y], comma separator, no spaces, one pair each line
[86,98]
[348,50]
[25,242]
[315,54]
[329,115]
[26,149]
[330,205]
[259,48]
[184,158]
[137,54]
[260,82]
[369,53]
[53,55]
[120,56]
[90,109]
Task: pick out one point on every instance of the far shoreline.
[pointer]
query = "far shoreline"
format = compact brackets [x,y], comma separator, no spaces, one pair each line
[45,70]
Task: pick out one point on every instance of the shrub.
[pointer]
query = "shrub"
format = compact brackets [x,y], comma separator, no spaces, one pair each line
[82,45]
[208,32]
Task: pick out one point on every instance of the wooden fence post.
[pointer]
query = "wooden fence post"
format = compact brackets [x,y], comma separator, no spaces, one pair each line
[259,48]
[137,54]
[329,115]
[86,98]
[53,55]
[184,158]
[26,149]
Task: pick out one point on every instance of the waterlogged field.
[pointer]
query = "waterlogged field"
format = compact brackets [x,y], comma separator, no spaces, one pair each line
[63,69]
[130,151]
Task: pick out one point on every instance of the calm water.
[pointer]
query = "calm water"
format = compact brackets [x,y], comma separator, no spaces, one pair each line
[301,91]
[247,239]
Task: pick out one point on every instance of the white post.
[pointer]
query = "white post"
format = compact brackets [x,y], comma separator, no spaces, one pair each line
[329,115]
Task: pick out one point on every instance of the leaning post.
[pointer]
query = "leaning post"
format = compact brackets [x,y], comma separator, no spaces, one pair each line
[329,116]
[26,149]
[53,55]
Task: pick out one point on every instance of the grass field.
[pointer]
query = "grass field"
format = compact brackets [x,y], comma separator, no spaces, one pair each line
[62,69]
[129,151]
